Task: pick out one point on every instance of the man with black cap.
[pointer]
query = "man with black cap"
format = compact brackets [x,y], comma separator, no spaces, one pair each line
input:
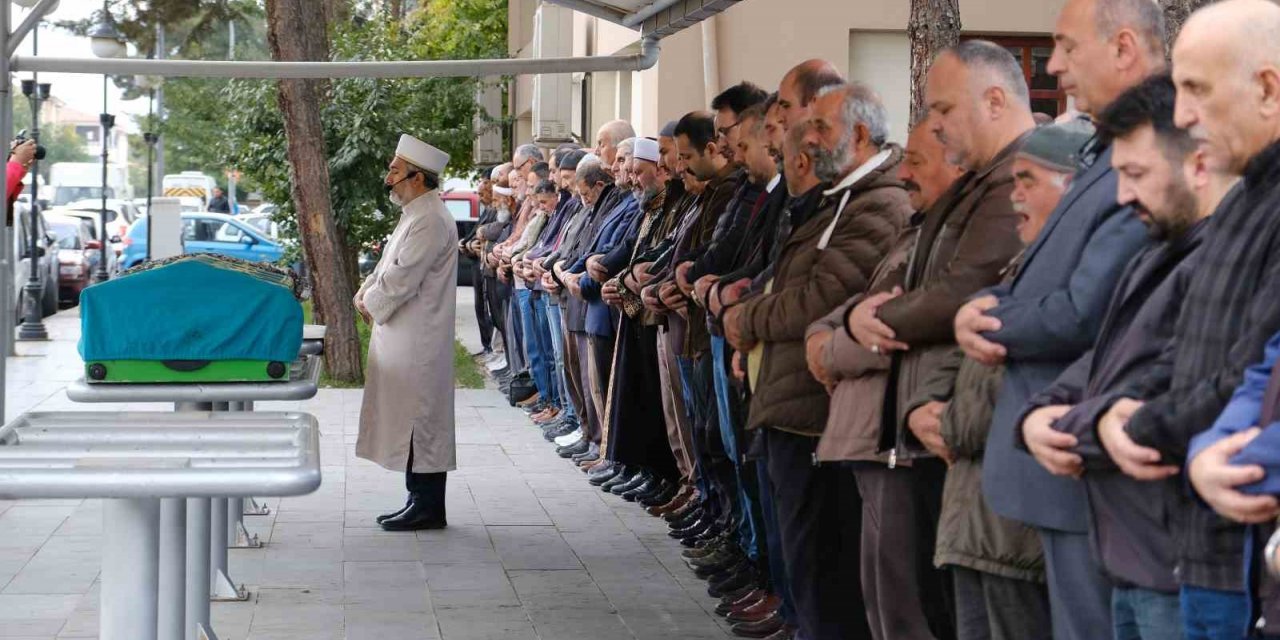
[406,420]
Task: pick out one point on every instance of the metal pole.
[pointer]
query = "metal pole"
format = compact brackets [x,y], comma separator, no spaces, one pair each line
[130,569]
[160,53]
[107,120]
[7,307]
[173,569]
[150,138]
[33,308]
[197,591]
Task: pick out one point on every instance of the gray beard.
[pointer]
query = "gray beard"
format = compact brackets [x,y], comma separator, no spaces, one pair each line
[504,215]
[396,200]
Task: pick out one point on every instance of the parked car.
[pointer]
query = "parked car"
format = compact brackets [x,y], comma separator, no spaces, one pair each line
[206,232]
[465,207]
[120,214]
[94,218]
[46,262]
[77,254]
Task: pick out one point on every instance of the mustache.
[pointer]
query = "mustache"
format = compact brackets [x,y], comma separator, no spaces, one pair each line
[910,185]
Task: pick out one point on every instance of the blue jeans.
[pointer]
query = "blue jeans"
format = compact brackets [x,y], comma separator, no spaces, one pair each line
[691,412]
[1143,614]
[1210,614]
[748,529]
[546,354]
[555,326]
[537,366]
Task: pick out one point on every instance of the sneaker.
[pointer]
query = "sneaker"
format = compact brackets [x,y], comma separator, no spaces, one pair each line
[569,438]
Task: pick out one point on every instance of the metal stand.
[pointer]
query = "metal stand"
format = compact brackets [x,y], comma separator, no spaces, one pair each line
[130,569]
[238,536]
[173,568]
[254,508]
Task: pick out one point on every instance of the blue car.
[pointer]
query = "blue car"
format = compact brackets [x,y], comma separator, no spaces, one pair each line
[204,232]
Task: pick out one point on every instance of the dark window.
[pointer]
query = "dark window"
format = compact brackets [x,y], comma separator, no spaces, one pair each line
[1033,53]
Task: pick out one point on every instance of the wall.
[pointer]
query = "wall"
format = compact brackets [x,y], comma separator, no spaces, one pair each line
[883,59]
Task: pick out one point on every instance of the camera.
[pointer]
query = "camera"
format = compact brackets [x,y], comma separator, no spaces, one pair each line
[22,137]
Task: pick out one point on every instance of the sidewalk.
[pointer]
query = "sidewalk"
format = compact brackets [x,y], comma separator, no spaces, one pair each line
[532,550]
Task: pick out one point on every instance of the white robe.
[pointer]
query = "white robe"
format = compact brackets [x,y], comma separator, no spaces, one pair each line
[408,394]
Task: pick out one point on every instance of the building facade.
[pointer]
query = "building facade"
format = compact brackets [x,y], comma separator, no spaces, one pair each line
[756,40]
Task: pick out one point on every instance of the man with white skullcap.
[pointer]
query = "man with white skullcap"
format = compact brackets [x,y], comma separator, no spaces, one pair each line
[406,421]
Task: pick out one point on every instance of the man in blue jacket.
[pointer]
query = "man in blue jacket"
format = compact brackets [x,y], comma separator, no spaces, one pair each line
[1049,315]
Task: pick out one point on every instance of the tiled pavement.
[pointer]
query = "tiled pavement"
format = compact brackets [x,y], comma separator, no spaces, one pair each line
[532,550]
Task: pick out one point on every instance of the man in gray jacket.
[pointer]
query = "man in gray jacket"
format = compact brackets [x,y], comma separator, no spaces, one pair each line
[1049,315]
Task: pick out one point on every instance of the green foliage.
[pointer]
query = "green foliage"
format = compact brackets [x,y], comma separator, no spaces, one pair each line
[364,117]
[60,142]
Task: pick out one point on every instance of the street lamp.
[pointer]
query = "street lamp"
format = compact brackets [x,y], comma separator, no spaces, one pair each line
[33,293]
[107,43]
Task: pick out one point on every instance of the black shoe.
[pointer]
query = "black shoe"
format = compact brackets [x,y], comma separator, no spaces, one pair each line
[637,481]
[563,430]
[598,477]
[760,628]
[745,578]
[590,455]
[626,476]
[569,451]
[694,529]
[687,519]
[419,516]
[693,506]
[704,551]
[651,486]
[667,494]
[387,516]
[723,556]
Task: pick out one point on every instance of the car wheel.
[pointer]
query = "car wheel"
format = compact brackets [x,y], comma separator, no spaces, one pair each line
[49,301]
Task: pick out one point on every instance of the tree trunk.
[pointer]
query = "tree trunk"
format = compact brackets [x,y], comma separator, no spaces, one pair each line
[934,25]
[295,34]
[396,9]
[1176,13]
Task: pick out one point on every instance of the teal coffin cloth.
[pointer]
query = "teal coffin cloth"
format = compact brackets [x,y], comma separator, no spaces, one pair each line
[190,310]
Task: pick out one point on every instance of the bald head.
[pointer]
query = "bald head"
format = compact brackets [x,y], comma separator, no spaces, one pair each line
[607,139]
[800,87]
[1227,71]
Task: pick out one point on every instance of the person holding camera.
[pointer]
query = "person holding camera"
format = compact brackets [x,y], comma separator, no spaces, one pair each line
[21,156]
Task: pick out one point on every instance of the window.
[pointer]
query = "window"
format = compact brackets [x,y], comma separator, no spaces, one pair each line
[210,230]
[68,234]
[1033,53]
[461,209]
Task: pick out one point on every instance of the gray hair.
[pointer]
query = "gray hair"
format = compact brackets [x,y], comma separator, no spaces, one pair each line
[997,62]
[528,151]
[590,172]
[618,130]
[627,145]
[862,104]
[1144,17]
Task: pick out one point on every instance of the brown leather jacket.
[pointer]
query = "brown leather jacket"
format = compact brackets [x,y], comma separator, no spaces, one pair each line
[958,247]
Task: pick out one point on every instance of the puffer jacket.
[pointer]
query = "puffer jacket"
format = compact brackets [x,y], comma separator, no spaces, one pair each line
[823,263]
[956,247]
[970,534]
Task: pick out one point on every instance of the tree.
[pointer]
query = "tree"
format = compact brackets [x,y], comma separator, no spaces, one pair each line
[295,34]
[934,25]
[1176,13]
[61,142]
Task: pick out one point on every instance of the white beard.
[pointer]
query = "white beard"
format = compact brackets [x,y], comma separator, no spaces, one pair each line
[504,215]
[396,200]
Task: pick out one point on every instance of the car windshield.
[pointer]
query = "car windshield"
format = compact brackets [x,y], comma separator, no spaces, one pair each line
[211,230]
[67,233]
[261,223]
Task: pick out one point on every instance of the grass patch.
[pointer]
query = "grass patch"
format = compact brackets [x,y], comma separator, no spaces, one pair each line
[466,373]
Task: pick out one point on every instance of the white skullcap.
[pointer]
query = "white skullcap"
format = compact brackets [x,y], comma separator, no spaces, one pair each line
[496,173]
[503,191]
[645,149]
[421,154]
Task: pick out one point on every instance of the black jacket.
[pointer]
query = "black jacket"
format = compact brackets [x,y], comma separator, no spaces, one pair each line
[1132,524]
[717,257]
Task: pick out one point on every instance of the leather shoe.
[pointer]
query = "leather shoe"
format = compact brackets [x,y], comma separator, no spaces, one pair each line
[591,454]
[727,564]
[387,516]
[574,449]
[677,501]
[635,481]
[744,578]
[650,486]
[683,512]
[760,628]
[758,611]
[722,557]
[417,517]
[787,632]
[625,476]
[703,551]
[731,604]
[565,429]
[603,473]
[690,516]
[694,529]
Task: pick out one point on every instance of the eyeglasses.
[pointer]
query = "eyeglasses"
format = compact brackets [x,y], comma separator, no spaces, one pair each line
[723,131]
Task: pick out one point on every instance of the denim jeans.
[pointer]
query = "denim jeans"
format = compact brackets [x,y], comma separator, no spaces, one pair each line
[1210,614]
[749,528]
[1143,614]
[546,353]
[557,350]
[691,412]
[537,366]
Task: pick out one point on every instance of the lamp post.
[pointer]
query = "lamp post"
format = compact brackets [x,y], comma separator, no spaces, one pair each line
[152,138]
[106,43]
[33,293]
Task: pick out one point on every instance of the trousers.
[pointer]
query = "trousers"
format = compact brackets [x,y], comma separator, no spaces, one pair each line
[1143,614]
[819,524]
[992,607]
[1079,595]
[1210,614]
[484,320]
[674,410]
[426,486]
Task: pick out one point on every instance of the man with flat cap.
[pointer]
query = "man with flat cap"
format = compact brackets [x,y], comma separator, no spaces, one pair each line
[406,422]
